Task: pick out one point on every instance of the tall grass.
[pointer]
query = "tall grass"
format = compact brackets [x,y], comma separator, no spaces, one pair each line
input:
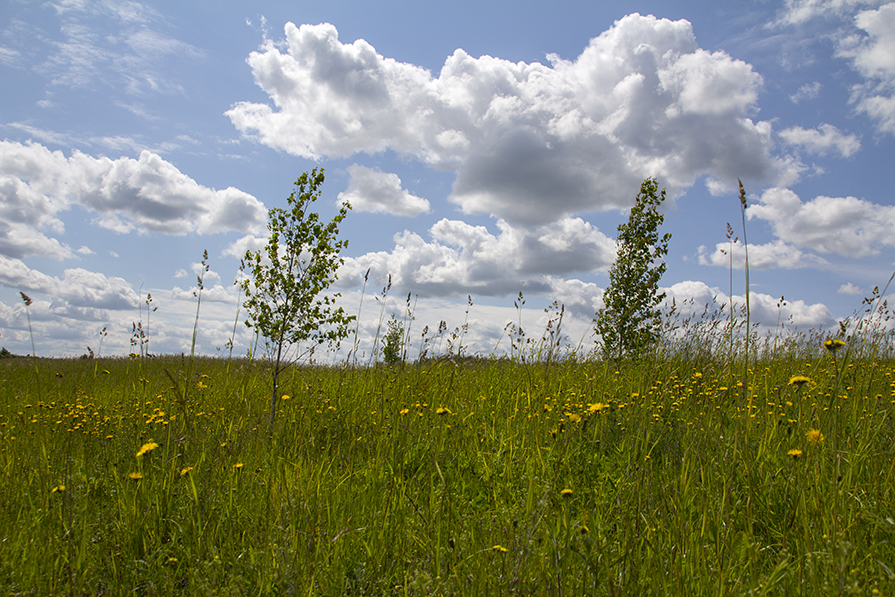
[529,475]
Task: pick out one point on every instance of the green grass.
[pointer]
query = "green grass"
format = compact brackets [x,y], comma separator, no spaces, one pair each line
[444,478]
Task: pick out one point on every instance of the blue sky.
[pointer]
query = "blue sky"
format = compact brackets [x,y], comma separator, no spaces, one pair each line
[486,148]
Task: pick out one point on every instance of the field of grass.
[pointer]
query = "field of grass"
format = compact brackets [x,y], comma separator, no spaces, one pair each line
[449,477]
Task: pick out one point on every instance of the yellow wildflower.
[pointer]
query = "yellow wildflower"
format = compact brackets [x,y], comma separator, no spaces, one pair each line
[795,453]
[566,493]
[185,470]
[798,381]
[597,407]
[499,548]
[833,345]
[815,436]
[59,488]
[136,476]
[147,447]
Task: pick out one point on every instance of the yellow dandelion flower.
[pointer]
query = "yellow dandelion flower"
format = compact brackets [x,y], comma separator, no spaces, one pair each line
[795,453]
[566,493]
[172,560]
[185,470]
[237,466]
[499,548]
[285,397]
[815,436]
[833,345]
[597,407]
[136,476]
[201,385]
[58,488]
[798,380]
[573,418]
[147,447]
[404,411]
[442,411]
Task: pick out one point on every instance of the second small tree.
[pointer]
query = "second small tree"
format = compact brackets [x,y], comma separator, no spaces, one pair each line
[629,322]
[287,279]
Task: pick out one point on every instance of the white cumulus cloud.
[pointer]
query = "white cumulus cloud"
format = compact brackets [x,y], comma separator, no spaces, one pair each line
[380,192]
[691,298]
[77,288]
[845,226]
[761,256]
[464,259]
[850,289]
[530,143]
[822,140]
[147,194]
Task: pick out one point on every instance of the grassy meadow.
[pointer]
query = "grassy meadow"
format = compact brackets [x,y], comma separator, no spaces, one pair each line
[456,476]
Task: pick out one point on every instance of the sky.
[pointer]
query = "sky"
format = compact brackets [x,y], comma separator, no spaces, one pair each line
[487,149]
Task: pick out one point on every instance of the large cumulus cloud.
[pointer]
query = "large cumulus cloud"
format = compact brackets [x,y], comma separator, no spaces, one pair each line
[463,259]
[148,194]
[845,226]
[77,288]
[842,226]
[530,143]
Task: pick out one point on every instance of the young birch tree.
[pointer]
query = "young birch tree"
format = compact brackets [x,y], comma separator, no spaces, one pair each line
[629,322]
[285,287]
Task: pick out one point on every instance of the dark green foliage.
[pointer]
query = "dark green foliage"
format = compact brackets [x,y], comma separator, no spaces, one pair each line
[287,279]
[629,322]
[393,346]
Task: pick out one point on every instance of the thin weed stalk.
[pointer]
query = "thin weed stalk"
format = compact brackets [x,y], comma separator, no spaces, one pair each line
[382,298]
[27,300]
[748,307]
[357,320]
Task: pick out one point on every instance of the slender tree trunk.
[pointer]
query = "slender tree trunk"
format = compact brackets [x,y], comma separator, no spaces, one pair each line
[273,395]
[276,376]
